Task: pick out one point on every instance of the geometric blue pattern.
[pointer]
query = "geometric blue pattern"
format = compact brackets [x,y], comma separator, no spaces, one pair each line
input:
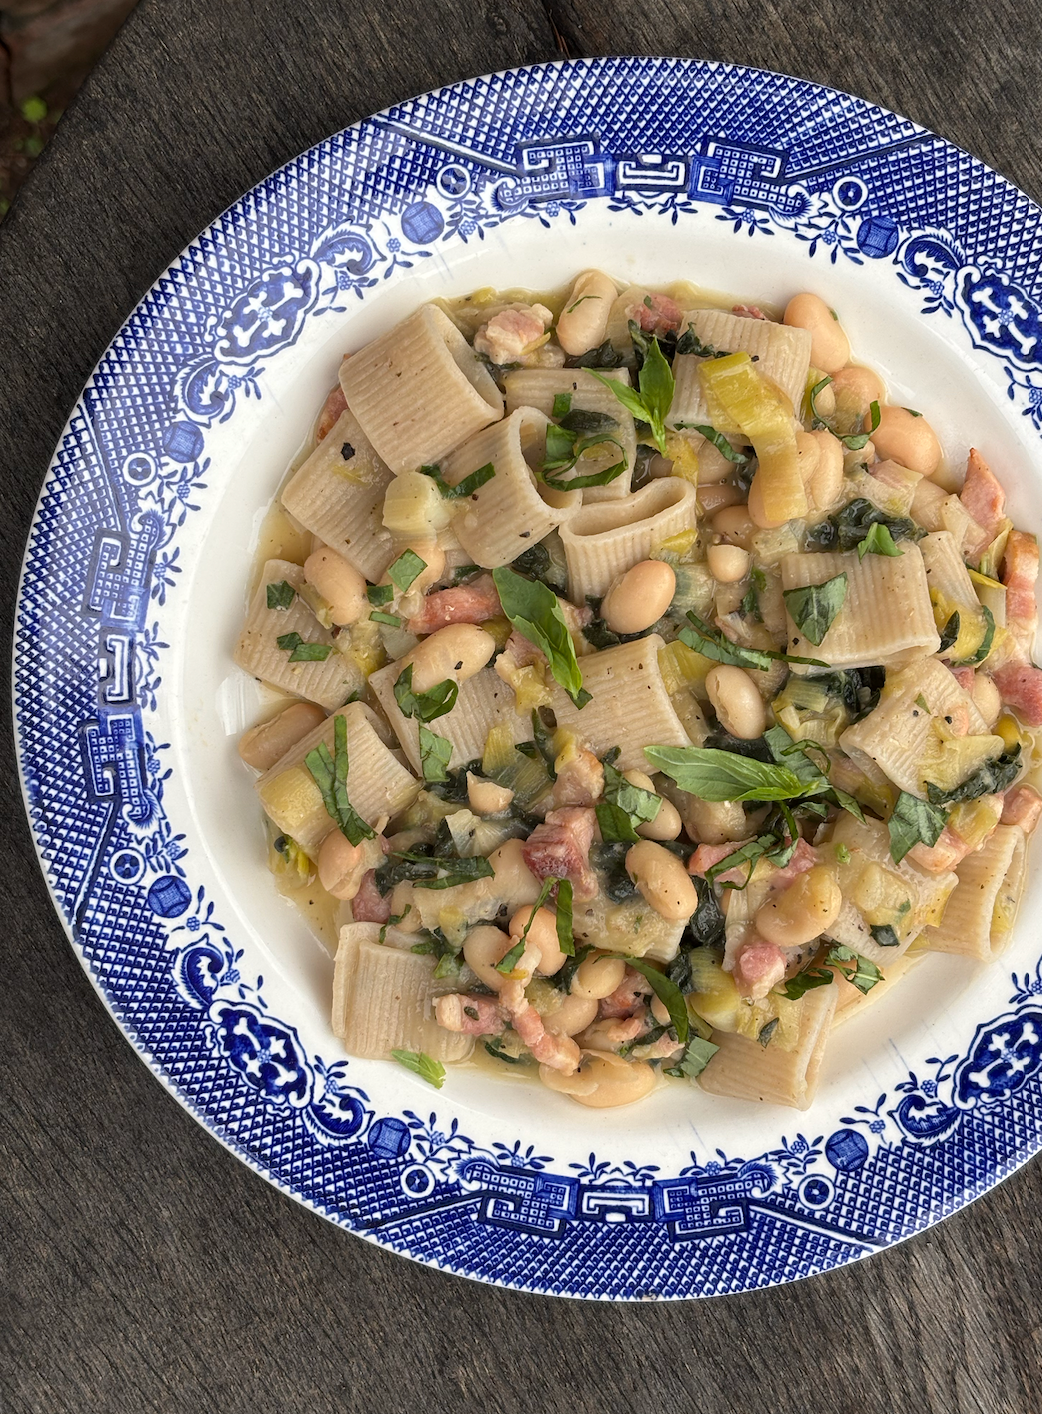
[670,140]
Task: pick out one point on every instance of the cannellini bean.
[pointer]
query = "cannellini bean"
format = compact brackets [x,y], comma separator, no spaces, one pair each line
[987,698]
[582,323]
[575,1084]
[667,823]
[714,821]
[662,880]
[339,583]
[658,467]
[573,1015]
[715,497]
[727,563]
[483,947]
[829,346]
[617,1081]
[542,936]
[456,652]
[735,525]
[487,797]
[514,882]
[262,746]
[598,977]
[856,389]
[806,908]
[737,702]
[826,480]
[909,440]
[660,1011]
[640,597]
[341,865]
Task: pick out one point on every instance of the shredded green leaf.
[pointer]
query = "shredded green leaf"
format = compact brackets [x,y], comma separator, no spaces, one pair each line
[697,1055]
[913,822]
[422,1065]
[668,993]
[813,607]
[466,487]
[330,775]
[652,402]
[435,755]
[406,568]
[535,611]
[712,643]
[878,541]
[378,594]
[424,706]
[281,595]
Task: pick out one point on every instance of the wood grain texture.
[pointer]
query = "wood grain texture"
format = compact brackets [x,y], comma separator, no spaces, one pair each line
[142,1268]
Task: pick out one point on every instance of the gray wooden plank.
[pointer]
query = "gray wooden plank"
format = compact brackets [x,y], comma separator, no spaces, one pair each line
[143,1267]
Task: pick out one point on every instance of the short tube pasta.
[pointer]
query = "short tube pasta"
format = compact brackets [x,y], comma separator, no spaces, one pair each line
[603,541]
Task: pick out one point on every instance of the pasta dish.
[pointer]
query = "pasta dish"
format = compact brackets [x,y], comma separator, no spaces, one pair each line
[648,692]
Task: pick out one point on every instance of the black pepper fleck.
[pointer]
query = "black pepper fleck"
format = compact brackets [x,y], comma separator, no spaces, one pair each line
[347,451]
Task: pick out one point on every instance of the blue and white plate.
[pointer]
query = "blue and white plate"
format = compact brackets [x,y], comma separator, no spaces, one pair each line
[128,705]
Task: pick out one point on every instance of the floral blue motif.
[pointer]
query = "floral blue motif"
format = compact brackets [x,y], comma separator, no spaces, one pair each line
[837,177]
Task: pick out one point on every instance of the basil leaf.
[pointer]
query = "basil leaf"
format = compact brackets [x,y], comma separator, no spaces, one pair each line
[749,853]
[854,441]
[697,1055]
[435,755]
[424,706]
[652,403]
[378,594]
[863,975]
[668,993]
[615,825]
[428,871]
[559,445]
[989,779]
[509,961]
[723,775]
[466,487]
[719,441]
[289,640]
[949,635]
[986,642]
[565,926]
[603,356]
[817,421]
[690,343]
[310,653]
[914,821]
[405,569]
[535,612]
[804,982]
[330,775]
[885,935]
[625,807]
[422,1065]
[712,643]
[562,402]
[814,607]
[878,541]
[281,595]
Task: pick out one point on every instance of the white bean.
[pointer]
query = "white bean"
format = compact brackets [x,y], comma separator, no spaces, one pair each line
[598,977]
[487,797]
[856,388]
[617,1081]
[737,701]
[582,323]
[801,912]
[640,597]
[667,824]
[339,583]
[542,936]
[483,947]
[829,346]
[456,653]
[573,1015]
[735,525]
[715,497]
[713,466]
[262,746]
[341,865]
[727,563]
[826,480]
[514,883]
[662,880]
[988,699]
[714,821]
[907,439]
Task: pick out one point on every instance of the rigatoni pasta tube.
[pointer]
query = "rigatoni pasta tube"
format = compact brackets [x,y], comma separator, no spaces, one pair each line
[513,510]
[978,920]
[745,1070]
[377,783]
[538,387]
[782,354]
[484,701]
[419,390]
[338,493]
[603,541]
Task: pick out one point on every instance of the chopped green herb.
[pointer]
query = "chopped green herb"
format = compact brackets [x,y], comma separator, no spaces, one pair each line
[767,1031]
[422,1065]
[463,572]
[878,541]
[379,617]
[281,595]
[509,961]
[713,643]
[884,935]
[921,702]
[378,594]
[301,652]
[652,402]
[562,404]
[424,706]
[565,925]
[393,922]
[814,607]
[466,487]
[603,356]
[697,1055]
[406,568]
[913,822]
[723,775]
[804,982]
[719,441]
[625,806]
[435,755]
[668,993]
[502,1055]
[842,854]
[949,634]
[431,872]
[913,412]
[579,301]
[863,975]
[330,775]
[535,611]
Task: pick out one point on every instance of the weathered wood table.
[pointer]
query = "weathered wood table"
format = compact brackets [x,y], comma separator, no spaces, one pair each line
[141,1266]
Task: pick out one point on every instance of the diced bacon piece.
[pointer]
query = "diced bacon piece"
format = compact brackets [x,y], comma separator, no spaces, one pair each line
[706,855]
[1019,574]
[368,904]
[983,496]
[580,780]
[615,1031]
[804,857]
[758,966]
[472,603]
[1022,806]
[964,677]
[948,851]
[509,335]
[628,997]
[470,1015]
[1021,687]
[748,311]
[335,405]
[558,1052]
[560,847]
[657,314]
